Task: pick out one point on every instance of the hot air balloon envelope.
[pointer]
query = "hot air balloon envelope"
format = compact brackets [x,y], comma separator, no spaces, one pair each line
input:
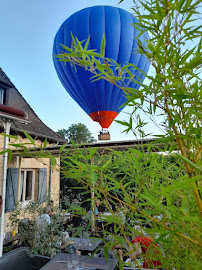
[100,100]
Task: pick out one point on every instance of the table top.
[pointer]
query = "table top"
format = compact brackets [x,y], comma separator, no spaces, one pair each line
[86,244]
[92,263]
[103,217]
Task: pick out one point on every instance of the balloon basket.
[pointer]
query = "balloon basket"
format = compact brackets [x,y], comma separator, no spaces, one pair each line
[104,136]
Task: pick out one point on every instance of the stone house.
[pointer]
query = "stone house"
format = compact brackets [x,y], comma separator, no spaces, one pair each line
[37,178]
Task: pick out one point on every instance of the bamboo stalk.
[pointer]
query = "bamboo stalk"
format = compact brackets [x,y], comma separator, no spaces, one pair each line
[92,203]
[189,171]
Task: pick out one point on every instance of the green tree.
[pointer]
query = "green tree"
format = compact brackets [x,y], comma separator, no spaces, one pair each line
[78,133]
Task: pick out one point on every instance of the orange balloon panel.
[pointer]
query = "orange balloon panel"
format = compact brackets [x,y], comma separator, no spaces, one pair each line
[104,118]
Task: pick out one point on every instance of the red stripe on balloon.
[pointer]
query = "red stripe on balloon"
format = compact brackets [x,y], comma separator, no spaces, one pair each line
[104,118]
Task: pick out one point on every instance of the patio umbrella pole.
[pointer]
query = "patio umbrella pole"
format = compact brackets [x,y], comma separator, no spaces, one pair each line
[7,124]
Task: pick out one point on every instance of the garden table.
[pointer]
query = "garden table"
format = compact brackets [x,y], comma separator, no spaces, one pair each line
[86,245]
[92,263]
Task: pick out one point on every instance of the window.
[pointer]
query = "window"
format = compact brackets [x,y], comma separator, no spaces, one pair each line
[27,185]
[1,95]
[33,186]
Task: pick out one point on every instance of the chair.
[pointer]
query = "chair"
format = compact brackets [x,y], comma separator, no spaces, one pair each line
[20,259]
[76,221]
[111,254]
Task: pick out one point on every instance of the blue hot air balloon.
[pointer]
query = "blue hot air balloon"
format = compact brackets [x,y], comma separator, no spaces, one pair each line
[100,100]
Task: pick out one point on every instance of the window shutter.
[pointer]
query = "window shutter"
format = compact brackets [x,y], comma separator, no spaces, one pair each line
[42,192]
[11,189]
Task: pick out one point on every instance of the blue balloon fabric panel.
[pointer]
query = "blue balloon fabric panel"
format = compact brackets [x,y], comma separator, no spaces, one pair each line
[121,45]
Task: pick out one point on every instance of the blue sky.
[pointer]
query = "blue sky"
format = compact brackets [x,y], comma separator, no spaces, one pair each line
[27,31]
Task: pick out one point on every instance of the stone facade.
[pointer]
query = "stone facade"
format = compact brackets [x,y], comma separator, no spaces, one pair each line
[36,178]
[33,164]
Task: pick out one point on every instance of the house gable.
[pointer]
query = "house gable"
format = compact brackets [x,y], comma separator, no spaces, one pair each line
[37,129]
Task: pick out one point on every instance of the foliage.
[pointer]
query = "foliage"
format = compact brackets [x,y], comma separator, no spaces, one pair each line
[72,193]
[78,133]
[44,242]
[47,242]
[154,191]
[160,195]
[79,225]
[172,90]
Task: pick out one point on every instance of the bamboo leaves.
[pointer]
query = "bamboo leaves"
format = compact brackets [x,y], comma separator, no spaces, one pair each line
[174,91]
